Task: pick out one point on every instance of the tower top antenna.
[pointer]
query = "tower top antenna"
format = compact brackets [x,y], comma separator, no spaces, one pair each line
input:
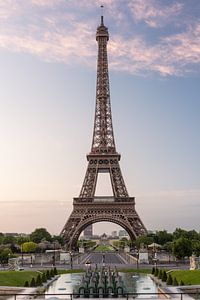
[102,10]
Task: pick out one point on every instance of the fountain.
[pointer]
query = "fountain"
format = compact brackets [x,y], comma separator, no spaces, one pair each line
[99,283]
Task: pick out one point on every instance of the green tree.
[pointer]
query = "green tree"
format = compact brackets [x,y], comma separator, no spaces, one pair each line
[26,284]
[5,254]
[160,274]
[144,240]
[196,247]
[169,279]
[175,282]
[38,280]
[153,270]
[40,234]
[156,272]
[33,283]
[29,247]
[182,247]
[44,277]
[163,237]
[178,233]
[8,239]
[164,276]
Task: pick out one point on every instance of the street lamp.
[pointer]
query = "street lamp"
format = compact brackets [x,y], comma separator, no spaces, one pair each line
[137,258]
[71,261]
[22,255]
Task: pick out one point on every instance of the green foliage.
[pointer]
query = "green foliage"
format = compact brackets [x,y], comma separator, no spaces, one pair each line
[40,234]
[22,239]
[55,271]
[169,279]
[164,276]
[182,283]
[48,276]
[52,273]
[187,276]
[163,237]
[44,277]
[175,282]
[5,253]
[38,280]
[182,247]
[26,284]
[196,247]
[156,272]
[144,240]
[8,239]
[33,283]
[160,274]
[153,270]
[15,278]
[29,247]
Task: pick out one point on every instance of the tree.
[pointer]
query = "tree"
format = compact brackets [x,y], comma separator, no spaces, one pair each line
[164,276]
[162,237]
[40,234]
[144,240]
[5,254]
[160,274]
[175,282]
[196,247]
[29,247]
[169,279]
[33,283]
[178,233]
[182,247]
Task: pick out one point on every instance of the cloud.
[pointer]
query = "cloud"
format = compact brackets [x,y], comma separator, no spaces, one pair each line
[62,33]
[153,13]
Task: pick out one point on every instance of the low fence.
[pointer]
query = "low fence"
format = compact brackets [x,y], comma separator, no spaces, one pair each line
[158,295]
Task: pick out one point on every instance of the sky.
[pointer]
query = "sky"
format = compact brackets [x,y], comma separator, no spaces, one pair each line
[48,58]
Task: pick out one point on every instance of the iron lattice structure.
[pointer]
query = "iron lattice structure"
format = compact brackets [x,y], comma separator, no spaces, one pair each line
[88,209]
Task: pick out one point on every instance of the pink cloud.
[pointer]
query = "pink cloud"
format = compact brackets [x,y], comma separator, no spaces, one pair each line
[152,13]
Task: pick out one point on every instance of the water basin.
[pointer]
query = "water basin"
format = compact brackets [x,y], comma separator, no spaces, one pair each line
[135,283]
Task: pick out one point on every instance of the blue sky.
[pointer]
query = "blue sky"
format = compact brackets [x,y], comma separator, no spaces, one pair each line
[47,99]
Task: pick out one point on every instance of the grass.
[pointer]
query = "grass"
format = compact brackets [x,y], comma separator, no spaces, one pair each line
[144,271]
[16,278]
[104,248]
[189,277]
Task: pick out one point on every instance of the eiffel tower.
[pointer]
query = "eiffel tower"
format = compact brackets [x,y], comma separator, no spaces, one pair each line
[103,158]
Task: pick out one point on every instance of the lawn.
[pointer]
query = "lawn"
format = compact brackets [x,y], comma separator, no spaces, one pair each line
[187,276]
[16,278]
[104,248]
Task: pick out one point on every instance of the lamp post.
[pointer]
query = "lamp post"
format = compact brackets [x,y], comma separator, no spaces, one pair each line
[22,255]
[71,261]
[137,258]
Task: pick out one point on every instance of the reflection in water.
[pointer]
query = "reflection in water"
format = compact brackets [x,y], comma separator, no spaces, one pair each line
[134,284]
[139,284]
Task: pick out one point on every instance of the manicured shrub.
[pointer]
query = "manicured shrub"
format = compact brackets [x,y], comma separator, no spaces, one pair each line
[160,274]
[55,271]
[164,276]
[153,270]
[175,282]
[52,273]
[26,284]
[48,275]
[156,272]
[182,283]
[38,280]
[44,277]
[169,279]
[33,283]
